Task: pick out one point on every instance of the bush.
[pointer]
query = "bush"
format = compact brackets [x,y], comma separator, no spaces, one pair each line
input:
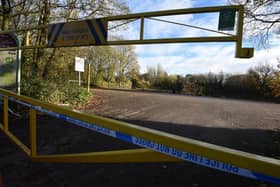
[36,88]
[56,93]
[76,96]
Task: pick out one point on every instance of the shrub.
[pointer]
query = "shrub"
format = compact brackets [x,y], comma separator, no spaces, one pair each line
[55,92]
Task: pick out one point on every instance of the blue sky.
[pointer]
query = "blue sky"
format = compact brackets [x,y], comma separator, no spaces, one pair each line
[189,57]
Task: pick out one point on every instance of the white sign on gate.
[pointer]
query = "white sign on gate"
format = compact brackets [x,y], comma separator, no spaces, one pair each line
[79,64]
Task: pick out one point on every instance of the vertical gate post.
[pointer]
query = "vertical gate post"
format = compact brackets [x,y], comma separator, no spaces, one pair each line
[6,114]
[33,135]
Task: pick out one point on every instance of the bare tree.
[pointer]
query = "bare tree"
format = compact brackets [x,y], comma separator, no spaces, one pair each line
[262,18]
[127,63]
[26,13]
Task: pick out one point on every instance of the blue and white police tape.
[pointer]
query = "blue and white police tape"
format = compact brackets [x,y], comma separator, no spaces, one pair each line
[190,157]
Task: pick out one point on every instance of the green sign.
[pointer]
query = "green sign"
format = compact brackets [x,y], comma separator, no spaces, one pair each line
[227,19]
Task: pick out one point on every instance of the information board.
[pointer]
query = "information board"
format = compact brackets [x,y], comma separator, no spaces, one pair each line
[78,33]
[7,40]
[79,64]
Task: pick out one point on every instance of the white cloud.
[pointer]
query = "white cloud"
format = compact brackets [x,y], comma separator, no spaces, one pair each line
[193,58]
[158,49]
[213,58]
[167,62]
[153,28]
[156,29]
[155,5]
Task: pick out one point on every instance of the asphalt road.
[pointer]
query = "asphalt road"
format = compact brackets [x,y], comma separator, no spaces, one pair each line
[245,125]
[179,109]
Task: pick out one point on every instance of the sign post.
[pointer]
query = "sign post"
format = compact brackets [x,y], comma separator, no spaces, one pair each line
[11,40]
[88,78]
[18,61]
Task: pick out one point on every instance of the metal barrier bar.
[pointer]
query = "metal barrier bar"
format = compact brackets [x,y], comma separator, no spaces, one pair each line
[145,15]
[174,12]
[6,114]
[237,38]
[146,41]
[119,156]
[175,40]
[205,154]
[33,134]
[16,141]
[187,156]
